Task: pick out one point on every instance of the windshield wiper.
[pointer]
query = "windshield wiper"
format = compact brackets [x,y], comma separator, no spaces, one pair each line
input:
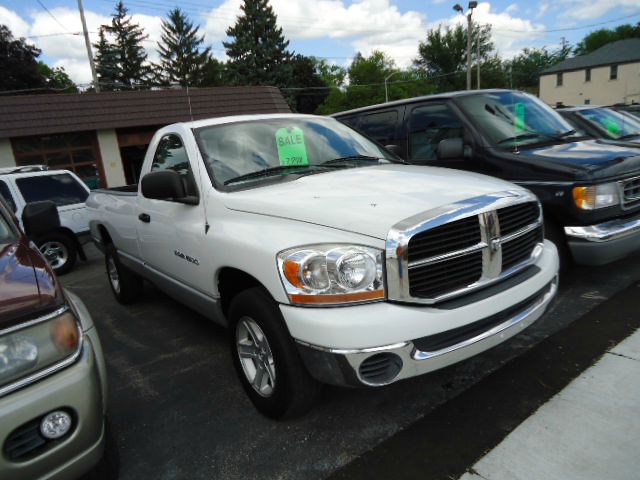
[566,134]
[279,170]
[630,135]
[520,136]
[351,158]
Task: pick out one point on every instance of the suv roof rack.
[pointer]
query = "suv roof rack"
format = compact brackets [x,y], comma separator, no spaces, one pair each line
[25,169]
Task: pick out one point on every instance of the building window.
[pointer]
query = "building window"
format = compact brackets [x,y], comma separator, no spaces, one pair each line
[587,101]
[559,80]
[587,75]
[613,74]
[77,152]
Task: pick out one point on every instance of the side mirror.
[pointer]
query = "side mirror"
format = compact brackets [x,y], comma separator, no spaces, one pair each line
[166,185]
[39,218]
[451,148]
[395,149]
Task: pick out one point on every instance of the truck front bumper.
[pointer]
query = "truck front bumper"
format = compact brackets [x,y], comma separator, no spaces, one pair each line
[419,339]
[604,243]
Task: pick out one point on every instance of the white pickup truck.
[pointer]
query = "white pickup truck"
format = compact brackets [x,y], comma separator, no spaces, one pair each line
[328,259]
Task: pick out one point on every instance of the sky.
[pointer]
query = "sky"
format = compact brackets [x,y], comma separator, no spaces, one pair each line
[332,29]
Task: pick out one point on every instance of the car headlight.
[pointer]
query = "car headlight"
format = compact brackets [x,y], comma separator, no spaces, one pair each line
[331,274]
[24,351]
[596,196]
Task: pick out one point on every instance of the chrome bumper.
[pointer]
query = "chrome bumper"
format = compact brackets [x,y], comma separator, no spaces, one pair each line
[604,243]
[345,366]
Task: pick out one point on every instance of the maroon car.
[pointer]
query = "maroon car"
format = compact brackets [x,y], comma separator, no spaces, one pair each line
[52,371]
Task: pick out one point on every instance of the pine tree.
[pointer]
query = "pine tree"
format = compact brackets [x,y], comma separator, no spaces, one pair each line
[121,57]
[258,52]
[106,62]
[181,59]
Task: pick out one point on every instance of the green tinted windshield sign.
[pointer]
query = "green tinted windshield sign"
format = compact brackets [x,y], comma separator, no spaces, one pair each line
[519,110]
[291,147]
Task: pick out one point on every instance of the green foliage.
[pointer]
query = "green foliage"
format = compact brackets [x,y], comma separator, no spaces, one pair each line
[182,58]
[257,51]
[443,55]
[524,69]
[601,37]
[121,61]
[305,74]
[214,73]
[18,63]
[56,78]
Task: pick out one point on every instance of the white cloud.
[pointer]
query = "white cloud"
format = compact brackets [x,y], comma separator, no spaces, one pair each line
[513,8]
[597,8]
[18,26]
[542,9]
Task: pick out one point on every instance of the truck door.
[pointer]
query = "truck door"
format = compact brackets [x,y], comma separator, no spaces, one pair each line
[171,235]
[427,125]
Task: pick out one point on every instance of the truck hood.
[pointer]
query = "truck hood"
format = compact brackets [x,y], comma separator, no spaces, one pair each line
[367,200]
[27,285]
[589,159]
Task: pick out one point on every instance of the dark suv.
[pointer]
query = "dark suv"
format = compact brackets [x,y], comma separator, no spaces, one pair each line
[590,190]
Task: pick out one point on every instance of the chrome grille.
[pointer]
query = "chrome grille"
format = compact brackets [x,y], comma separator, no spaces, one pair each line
[630,192]
[463,247]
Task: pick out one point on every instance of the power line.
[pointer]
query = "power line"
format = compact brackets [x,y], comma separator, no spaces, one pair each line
[52,15]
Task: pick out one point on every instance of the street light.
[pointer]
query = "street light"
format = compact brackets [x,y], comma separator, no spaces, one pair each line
[386,92]
[458,8]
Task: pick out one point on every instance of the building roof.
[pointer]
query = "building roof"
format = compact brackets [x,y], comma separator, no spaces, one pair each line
[63,113]
[622,51]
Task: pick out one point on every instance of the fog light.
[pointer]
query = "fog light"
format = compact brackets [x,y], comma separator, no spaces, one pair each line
[55,424]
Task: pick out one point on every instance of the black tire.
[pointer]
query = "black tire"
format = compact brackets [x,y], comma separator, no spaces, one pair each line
[126,286]
[555,233]
[60,250]
[293,391]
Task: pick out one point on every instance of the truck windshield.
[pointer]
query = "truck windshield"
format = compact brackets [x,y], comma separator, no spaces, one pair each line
[513,119]
[616,125]
[253,150]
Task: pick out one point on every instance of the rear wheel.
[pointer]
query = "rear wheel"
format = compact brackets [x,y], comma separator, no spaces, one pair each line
[266,359]
[59,250]
[126,286]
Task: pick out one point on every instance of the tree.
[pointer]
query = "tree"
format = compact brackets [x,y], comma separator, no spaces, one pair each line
[308,88]
[525,68]
[56,78]
[121,61]
[18,63]
[443,55]
[601,37]
[214,73]
[182,58]
[257,51]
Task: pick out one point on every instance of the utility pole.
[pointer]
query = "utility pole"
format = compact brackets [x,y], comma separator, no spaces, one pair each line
[458,8]
[478,57]
[88,45]
[386,91]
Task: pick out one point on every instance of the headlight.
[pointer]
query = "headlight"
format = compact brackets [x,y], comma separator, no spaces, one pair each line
[24,351]
[332,274]
[596,196]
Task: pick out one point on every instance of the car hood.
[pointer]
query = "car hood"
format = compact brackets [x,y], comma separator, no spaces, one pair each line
[27,285]
[367,200]
[589,159]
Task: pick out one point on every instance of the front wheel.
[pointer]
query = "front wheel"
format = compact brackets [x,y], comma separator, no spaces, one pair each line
[126,286]
[266,359]
[59,250]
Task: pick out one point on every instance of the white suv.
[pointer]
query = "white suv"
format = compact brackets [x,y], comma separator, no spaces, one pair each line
[21,185]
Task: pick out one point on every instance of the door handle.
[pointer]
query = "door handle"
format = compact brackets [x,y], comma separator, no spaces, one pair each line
[144,217]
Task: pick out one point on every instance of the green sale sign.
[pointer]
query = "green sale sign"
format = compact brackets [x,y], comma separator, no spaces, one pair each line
[291,147]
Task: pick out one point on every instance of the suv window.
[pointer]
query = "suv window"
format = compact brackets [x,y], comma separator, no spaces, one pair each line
[6,194]
[381,126]
[171,155]
[62,189]
[428,125]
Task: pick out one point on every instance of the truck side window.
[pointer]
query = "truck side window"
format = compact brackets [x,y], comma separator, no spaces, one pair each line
[428,125]
[381,126]
[171,155]
[6,194]
[62,189]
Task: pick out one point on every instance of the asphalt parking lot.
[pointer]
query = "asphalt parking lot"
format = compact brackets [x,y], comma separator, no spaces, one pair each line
[178,411]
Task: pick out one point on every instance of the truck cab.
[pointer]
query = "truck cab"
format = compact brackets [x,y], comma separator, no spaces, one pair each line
[589,189]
